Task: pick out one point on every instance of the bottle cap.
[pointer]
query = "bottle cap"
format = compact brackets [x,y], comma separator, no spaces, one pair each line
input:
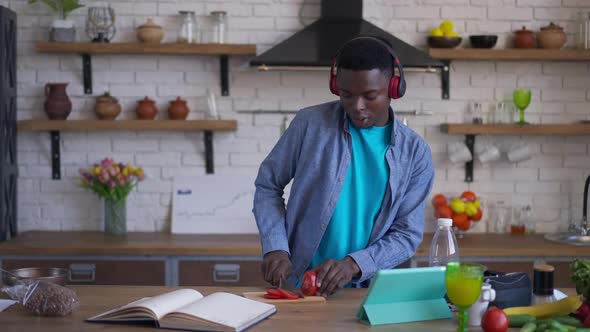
[543,279]
[445,222]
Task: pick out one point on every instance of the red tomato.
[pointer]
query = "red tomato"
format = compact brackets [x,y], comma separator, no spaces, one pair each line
[309,285]
[439,200]
[587,321]
[468,196]
[273,292]
[494,320]
[461,221]
[271,297]
[444,212]
[477,216]
[285,294]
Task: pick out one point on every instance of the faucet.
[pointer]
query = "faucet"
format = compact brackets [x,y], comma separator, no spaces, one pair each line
[583,228]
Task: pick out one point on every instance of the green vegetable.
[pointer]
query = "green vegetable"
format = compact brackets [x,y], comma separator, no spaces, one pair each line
[528,327]
[582,330]
[61,7]
[568,320]
[520,320]
[557,326]
[581,276]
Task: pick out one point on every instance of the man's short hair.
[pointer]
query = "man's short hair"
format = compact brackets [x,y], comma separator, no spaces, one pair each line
[365,54]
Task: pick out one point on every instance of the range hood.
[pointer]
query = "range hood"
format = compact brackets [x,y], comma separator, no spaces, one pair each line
[316,44]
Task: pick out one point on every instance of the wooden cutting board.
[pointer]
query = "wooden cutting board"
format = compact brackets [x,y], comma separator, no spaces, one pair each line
[259,296]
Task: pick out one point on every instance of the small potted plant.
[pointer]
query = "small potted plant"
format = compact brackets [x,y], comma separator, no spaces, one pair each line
[112,182]
[62,29]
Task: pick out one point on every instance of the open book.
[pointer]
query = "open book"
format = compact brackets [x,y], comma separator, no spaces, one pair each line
[187,309]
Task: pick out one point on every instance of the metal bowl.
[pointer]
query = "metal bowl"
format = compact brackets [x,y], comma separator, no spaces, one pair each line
[49,274]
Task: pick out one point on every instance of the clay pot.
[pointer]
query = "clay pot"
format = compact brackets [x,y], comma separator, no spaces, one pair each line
[524,38]
[150,32]
[57,103]
[107,107]
[178,109]
[146,109]
[552,37]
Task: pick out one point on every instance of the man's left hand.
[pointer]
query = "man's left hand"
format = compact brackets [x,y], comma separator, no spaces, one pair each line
[333,274]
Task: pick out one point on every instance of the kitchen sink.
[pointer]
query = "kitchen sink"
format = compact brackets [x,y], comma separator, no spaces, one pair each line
[569,238]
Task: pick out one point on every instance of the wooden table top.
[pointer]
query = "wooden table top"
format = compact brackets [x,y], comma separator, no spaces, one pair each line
[338,314]
[98,243]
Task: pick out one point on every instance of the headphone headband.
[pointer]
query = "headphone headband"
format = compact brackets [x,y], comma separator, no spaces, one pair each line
[397,84]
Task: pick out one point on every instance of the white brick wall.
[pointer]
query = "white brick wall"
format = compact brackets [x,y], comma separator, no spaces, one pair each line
[561,93]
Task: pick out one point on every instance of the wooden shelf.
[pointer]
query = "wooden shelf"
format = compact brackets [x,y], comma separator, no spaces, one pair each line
[514,129]
[510,54]
[56,126]
[141,48]
[87,49]
[127,125]
[470,130]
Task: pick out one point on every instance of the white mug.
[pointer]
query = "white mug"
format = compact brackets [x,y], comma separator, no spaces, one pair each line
[459,153]
[488,154]
[519,152]
[478,309]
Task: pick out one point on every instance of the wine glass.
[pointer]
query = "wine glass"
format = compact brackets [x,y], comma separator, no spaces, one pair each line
[522,99]
[463,282]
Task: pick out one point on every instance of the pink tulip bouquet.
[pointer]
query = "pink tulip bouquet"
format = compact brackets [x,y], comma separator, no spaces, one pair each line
[110,180]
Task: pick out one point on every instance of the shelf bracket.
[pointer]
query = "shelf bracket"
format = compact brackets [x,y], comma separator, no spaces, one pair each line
[208,137]
[224,72]
[445,78]
[55,156]
[470,142]
[87,73]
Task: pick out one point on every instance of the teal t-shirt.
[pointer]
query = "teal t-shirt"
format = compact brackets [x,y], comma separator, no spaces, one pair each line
[361,197]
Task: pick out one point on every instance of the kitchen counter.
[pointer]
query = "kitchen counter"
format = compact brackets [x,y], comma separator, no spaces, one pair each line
[202,260]
[98,243]
[338,314]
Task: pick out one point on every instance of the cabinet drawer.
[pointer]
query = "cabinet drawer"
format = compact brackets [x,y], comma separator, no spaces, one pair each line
[220,273]
[100,272]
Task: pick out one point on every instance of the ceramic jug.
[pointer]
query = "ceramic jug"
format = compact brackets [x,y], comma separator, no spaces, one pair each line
[551,37]
[107,107]
[524,38]
[146,109]
[150,32]
[57,103]
[178,109]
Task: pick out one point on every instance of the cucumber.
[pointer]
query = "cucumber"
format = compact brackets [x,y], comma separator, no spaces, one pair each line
[557,326]
[528,327]
[568,320]
[520,320]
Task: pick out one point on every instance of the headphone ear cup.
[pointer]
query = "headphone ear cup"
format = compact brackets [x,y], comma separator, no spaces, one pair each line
[393,87]
[401,88]
[334,85]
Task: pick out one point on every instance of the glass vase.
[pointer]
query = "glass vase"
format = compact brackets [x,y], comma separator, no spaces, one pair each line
[115,217]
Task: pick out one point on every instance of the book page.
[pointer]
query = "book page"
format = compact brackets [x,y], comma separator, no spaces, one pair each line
[227,309]
[159,305]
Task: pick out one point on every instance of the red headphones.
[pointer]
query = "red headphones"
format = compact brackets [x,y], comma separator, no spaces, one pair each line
[397,84]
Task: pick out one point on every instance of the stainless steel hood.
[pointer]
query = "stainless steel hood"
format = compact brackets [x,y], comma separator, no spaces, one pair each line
[316,44]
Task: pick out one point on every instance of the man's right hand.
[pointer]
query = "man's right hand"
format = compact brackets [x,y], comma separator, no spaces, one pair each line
[276,265]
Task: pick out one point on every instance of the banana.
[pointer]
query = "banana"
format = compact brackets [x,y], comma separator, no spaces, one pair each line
[559,308]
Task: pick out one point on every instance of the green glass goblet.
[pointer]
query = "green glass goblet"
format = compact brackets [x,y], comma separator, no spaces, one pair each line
[522,99]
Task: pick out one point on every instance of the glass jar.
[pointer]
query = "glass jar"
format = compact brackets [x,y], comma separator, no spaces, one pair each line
[219,27]
[583,31]
[187,32]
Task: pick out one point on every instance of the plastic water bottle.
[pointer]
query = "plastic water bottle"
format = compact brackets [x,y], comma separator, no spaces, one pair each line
[443,248]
